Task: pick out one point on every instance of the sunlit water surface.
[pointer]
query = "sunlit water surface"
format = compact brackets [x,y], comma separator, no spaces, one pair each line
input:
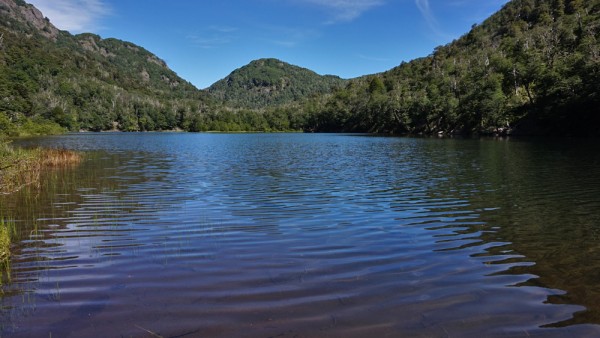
[260,235]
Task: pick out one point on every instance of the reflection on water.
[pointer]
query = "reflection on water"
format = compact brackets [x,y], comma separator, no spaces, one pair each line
[309,235]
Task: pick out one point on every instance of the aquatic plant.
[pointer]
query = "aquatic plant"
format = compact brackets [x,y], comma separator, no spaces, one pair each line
[7,231]
[22,167]
[6,228]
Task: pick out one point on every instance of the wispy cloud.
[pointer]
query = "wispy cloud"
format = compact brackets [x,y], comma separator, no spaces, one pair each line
[345,10]
[470,11]
[223,29]
[372,58]
[75,16]
[433,24]
[213,37]
[425,9]
[479,10]
[288,37]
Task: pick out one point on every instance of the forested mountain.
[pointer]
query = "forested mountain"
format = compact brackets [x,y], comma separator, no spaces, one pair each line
[83,81]
[51,81]
[533,67]
[268,82]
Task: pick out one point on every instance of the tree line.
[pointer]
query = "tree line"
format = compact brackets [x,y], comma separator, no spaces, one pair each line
[533,67]
[530,68]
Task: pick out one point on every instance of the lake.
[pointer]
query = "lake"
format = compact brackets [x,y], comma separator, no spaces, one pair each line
[307,235]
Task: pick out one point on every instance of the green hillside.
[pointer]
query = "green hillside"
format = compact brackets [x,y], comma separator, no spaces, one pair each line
[83,81]
[531,68]
[270,82]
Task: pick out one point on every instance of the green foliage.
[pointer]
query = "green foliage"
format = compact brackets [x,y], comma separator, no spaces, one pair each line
[573,6]
[533,67]
[7,228]
[273,119]
[270,82]
[28,127]
[376,86]
[5,124]
[85,82]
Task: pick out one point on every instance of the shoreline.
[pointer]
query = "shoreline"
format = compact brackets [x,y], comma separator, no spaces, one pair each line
[22,167]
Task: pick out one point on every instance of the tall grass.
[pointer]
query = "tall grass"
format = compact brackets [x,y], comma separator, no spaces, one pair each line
[7,228]
[22,167]
[7,231]
[58,157]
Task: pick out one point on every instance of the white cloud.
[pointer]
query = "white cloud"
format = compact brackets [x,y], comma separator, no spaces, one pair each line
[425,9]
[223,29]
[288,37]
[210,41]
[75,16]
[213,37]
[430,19]
[375,59]
[478,10]
[346,10]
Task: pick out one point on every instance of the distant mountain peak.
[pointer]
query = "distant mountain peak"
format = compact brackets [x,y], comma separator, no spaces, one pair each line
[85,82]
[270,81]
[27,13]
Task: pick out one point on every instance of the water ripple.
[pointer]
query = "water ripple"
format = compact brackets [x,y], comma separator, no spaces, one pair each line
[309,235]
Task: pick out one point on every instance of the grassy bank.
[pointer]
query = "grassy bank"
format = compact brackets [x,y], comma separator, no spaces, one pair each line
[28,127]
[22,167]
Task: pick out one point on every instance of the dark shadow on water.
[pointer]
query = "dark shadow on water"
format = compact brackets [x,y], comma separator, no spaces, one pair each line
[310,234]
[542,200]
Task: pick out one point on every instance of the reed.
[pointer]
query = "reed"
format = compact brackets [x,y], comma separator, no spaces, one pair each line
[6,228]
[7,232]
[20,168]
[59,157]
[23,167]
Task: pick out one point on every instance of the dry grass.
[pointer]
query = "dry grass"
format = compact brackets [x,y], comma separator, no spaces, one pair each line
[20,168]
[59,157]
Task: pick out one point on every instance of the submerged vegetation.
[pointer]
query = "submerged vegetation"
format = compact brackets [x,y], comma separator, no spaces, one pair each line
[6,228]
[22,167]
[7,231]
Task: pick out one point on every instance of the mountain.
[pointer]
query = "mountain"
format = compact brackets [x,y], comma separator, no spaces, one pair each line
[269,82]
[532,68]
[83,81]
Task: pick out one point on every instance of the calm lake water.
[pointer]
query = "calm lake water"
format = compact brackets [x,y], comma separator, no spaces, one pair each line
[269,235]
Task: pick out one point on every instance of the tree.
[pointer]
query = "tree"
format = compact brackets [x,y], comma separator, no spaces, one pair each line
[5,124]
[574,6]
[559,8]
[376,86]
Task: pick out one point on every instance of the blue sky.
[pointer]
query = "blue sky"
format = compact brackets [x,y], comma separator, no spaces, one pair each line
[203,41]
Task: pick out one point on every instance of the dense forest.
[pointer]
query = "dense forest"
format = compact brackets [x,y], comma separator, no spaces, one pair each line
[84,82]
[531,68]
[270,82]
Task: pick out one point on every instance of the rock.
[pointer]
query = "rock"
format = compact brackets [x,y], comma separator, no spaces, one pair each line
[28,13]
